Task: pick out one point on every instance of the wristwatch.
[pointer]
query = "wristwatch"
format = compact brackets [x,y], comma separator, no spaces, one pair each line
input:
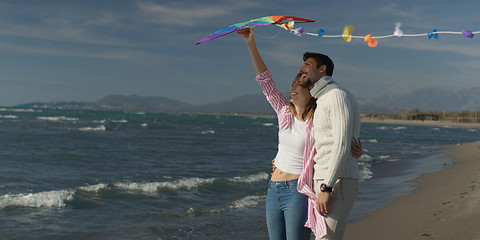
[325,188]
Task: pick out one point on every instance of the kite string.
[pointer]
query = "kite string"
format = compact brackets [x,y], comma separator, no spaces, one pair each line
[268,37]
[379,37]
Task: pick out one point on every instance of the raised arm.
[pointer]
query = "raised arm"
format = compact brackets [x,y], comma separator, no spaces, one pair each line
[249,38]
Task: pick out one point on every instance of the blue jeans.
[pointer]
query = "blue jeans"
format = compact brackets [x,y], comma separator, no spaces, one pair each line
[286,211]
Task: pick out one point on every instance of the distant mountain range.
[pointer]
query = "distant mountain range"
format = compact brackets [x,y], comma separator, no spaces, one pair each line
[395,100]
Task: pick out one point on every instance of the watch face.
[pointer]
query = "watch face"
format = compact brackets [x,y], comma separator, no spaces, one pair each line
[324,188]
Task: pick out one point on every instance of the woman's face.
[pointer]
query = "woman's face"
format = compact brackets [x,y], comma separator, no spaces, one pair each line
[299,95]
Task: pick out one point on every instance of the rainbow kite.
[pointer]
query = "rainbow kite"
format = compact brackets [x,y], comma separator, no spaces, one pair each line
[270,20]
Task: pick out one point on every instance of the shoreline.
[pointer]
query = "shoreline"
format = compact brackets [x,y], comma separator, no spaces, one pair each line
[444,205]
[421,123]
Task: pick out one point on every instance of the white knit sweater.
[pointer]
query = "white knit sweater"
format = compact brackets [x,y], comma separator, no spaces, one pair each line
[336,121]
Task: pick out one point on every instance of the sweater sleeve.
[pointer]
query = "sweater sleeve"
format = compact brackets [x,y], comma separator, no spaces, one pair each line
[279,103]
[342,118]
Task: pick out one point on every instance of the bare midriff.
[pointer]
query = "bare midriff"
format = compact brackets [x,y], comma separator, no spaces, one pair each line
[279,175]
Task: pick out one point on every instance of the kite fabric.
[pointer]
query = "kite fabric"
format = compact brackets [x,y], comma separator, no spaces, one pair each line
[269,20]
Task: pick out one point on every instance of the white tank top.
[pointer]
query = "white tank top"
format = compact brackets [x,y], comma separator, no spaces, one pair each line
[291,147]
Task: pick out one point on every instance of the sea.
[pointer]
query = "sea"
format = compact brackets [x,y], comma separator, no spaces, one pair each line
[76,174]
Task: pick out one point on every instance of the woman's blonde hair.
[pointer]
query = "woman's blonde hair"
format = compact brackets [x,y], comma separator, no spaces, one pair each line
[311,105]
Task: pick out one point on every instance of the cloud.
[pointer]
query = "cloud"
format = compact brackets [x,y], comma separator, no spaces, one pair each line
[393,10]
[190,14]
[62,28]
[162,14]
[423,44]
[125,55]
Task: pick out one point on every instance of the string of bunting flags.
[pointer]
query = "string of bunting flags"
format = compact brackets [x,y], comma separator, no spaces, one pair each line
[280,21]
[372,40]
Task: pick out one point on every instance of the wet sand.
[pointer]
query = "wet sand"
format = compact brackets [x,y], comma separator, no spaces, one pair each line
[445,205]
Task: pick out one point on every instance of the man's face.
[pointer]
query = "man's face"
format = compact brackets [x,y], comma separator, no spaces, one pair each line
[310,72]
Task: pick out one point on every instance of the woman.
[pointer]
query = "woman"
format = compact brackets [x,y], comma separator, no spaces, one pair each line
[290,186]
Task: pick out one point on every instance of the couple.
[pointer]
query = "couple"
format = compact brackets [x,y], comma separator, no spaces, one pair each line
[315,179]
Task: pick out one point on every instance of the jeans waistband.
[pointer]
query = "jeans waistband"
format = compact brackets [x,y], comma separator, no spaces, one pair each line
[286,183]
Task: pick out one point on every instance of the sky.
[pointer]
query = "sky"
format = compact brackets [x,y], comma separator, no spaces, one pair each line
[65,50]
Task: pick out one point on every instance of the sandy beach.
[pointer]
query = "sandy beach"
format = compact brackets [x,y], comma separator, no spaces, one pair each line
[445,204]
[421,123]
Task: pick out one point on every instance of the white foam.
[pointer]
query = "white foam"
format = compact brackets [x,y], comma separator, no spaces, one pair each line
[94,188]
[364,171]
[364,165]
[120,121]
[261,176]
[436,129]
[248,201]
[100,121]
[245,202]
[267,124]
[49,199]
[399,128]
[365,158]
[9,116]
[208,131]
[98,128]
[382,128]
[19,110]
[372,140]
[57,118]
[153,187]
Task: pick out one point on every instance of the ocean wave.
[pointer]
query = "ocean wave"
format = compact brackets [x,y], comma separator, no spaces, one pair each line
[94,188]
[208,131]
[382,128]
[364,166]
[248,201]
[50,199]
[372,140]
[119,121]
[267,124]
[365,158]
[59,198]
[251,178]
[19,110]
[153,187]
[9,116]
[364,171]
[98,128]
[47,199]
[400,128]
[57,118]
[242,203]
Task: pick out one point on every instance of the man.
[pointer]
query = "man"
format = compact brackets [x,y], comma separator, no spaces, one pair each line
[336,122]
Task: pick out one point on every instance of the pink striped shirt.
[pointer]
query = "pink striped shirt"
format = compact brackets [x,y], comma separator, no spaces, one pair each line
[315,221]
